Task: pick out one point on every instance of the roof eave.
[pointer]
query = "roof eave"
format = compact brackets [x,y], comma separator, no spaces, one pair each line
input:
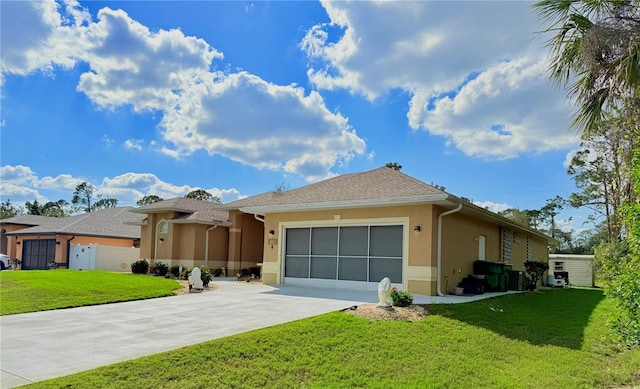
[263,209]
[160,210]
[207,222]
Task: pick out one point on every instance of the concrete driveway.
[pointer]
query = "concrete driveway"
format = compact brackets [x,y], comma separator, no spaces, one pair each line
[41,345]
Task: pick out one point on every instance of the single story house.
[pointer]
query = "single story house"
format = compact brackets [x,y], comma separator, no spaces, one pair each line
[39,241]
[191,232]
[353,230]
[579,268]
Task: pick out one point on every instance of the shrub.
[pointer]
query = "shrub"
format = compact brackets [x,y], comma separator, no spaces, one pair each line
[401,298]
[205,275]
[217,272]
[140,267]
[175,271]
[255,271]
[161,269]
[535,270]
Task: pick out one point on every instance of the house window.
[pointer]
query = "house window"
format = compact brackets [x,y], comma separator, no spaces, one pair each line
[163,227]
[558,266]
[507,240]
[529,249]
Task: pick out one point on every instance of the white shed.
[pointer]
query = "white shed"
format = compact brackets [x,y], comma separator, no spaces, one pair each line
[579,267]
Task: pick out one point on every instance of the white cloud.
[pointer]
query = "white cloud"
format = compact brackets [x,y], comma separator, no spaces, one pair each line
[16,174]
[493,207]
[483,88]
[20,184]
[134,144]
[237,115]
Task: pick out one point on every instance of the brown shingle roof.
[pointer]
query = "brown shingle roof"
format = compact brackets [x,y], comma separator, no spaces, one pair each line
[108,222]
[28,220]
[378,184]
[193,211]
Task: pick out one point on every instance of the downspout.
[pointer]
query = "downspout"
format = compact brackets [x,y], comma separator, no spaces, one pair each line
[259,218]
[206,244]
[68,247]
[439,253]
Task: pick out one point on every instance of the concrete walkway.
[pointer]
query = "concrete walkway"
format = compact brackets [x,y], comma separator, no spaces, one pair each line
[41,345]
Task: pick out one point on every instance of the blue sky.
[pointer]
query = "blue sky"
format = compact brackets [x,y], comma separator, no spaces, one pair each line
[162,97]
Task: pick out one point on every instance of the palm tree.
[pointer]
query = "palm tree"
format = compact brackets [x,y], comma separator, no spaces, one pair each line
[595,51]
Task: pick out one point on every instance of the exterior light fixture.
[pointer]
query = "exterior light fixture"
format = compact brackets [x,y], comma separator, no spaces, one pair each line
[417,228]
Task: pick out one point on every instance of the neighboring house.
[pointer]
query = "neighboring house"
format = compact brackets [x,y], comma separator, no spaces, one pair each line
[354,229]
[191,232]
[578,267]
[39,240]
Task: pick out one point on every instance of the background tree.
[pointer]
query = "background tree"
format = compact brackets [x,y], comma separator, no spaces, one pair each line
[104,203]
[281,187]
[8,210]
[83,196]
[148,199]
[83,199]
[201,194]
[393,165]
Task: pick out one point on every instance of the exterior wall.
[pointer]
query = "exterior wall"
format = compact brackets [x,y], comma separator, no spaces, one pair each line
[12,249]
[218,247]
[579,267]
[419,271]
[460,247]
[62,241]
[246,240]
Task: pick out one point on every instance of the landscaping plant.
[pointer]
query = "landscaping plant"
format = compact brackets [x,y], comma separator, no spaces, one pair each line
[401,298]
[140,267]
[161,269]
[535,270]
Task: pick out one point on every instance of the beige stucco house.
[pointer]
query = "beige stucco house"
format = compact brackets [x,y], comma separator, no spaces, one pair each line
[190,232]
[38,241]
[353,230]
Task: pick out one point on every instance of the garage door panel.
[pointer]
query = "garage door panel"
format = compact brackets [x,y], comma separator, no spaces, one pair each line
[352,269]
[324,267]
[323,241]
[385,267]
[386,241]
[298,241]
[354,241]
[297,267]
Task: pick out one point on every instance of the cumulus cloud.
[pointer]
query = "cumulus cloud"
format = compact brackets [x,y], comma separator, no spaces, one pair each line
[484,89]
[237,115]
[493,207]
[20,183]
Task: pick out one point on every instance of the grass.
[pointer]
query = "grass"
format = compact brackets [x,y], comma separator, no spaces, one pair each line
[554,338]
[40,290]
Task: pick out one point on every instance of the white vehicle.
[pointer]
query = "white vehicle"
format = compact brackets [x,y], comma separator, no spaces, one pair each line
[4,261]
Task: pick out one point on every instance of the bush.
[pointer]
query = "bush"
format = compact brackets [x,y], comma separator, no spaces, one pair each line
[205,275]
[535,270]
[255,271]
[217,272]
[140,267]
[161,269]
[401,298]
[175,271]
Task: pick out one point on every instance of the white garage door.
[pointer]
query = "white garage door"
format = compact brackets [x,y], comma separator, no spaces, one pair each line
[351,257]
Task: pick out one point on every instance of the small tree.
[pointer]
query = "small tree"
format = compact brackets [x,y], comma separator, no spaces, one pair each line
[83,196]
[535,270]
[8,210]
[201,194]
[148,199]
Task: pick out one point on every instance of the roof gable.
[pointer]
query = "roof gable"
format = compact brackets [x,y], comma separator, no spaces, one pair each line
[191,210]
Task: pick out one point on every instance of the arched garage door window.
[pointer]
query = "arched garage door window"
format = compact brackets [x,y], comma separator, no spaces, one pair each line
[360,253]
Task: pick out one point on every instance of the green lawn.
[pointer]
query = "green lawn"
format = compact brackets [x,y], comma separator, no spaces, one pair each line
[550,339]
[41,290]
